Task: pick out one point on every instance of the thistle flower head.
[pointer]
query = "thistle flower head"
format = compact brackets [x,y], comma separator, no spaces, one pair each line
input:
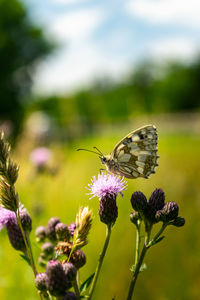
[78,259]
[139,201]
[106,185]
[50,228]
[70,271]
[57,283]
[7,216]
[41,281]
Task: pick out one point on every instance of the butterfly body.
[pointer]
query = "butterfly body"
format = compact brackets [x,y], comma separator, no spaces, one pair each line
[135,155]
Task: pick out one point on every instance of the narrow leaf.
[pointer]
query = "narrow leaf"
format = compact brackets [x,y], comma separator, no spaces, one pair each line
[84,286]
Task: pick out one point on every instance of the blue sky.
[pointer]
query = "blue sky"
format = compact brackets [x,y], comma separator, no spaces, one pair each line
[108,37]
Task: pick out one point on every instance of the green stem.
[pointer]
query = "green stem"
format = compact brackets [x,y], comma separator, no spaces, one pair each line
[101,258]
[138,239]
[29,251]
[138,266]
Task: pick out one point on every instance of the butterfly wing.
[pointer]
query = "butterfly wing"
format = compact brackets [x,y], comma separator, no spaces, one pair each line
[136,154]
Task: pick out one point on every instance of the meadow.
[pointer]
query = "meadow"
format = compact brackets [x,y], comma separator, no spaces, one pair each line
[172,266]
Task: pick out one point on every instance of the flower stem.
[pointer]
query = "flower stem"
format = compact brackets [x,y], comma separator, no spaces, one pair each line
[138,239]
[27,245]
[138,266]
[101,258]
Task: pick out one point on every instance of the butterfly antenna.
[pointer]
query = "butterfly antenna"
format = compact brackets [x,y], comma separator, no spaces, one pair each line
[81,149]
[98,151]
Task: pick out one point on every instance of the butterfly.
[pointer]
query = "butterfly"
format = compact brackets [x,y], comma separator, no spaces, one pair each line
[134,156]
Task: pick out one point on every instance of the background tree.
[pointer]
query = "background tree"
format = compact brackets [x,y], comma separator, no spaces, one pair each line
[22,44]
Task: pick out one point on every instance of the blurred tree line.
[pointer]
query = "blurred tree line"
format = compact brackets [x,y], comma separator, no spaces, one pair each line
[22,44]
[149,89]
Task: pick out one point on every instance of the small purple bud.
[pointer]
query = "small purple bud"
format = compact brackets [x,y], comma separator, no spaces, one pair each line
[178,222]
[15,236]
[48,248]
[108,210]
[41,282]
[156,202]
[170,211]
[50,228]
[139,201]
[40,233]
[26,221]
[134,217]
[57,283]
[72,227]
[62,232]
[157,199]
[70,271]
[70,296]
[78,259]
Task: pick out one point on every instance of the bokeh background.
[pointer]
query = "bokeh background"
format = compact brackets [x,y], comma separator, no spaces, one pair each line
[82,73]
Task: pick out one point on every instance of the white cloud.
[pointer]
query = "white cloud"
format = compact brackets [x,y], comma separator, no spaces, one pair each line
[75,25]
[174,48]
[76,66]
[167,11]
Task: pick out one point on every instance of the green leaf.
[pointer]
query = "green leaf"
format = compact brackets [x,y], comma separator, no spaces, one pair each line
[84,286]
[158,240]
[26,259]
[143,267]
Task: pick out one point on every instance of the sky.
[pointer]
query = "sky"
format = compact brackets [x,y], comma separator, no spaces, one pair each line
[107,38]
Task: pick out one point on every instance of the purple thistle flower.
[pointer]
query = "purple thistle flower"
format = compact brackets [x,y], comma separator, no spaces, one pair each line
[7,216]
[40,156]
[71,228]
[106,185]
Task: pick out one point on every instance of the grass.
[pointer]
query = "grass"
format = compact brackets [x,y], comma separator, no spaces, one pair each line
[172,272]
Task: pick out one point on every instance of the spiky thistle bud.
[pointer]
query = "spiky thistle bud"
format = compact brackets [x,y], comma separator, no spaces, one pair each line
[57,283]
[70,296]
[70,271]
[62,232]
[41,282]
[48,249]
[156,202]
[40,233]
[157,199]
[78,259]
[139,201]
[168,213]
[26,221]
[15,235]
[50,228]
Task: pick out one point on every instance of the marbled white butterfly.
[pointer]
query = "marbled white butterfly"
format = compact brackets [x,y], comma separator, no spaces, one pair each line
[135,155]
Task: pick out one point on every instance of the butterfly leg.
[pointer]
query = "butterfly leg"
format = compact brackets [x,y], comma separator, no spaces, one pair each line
[101,170]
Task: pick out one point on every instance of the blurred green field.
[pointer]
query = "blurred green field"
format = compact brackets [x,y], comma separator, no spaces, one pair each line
[173,265]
